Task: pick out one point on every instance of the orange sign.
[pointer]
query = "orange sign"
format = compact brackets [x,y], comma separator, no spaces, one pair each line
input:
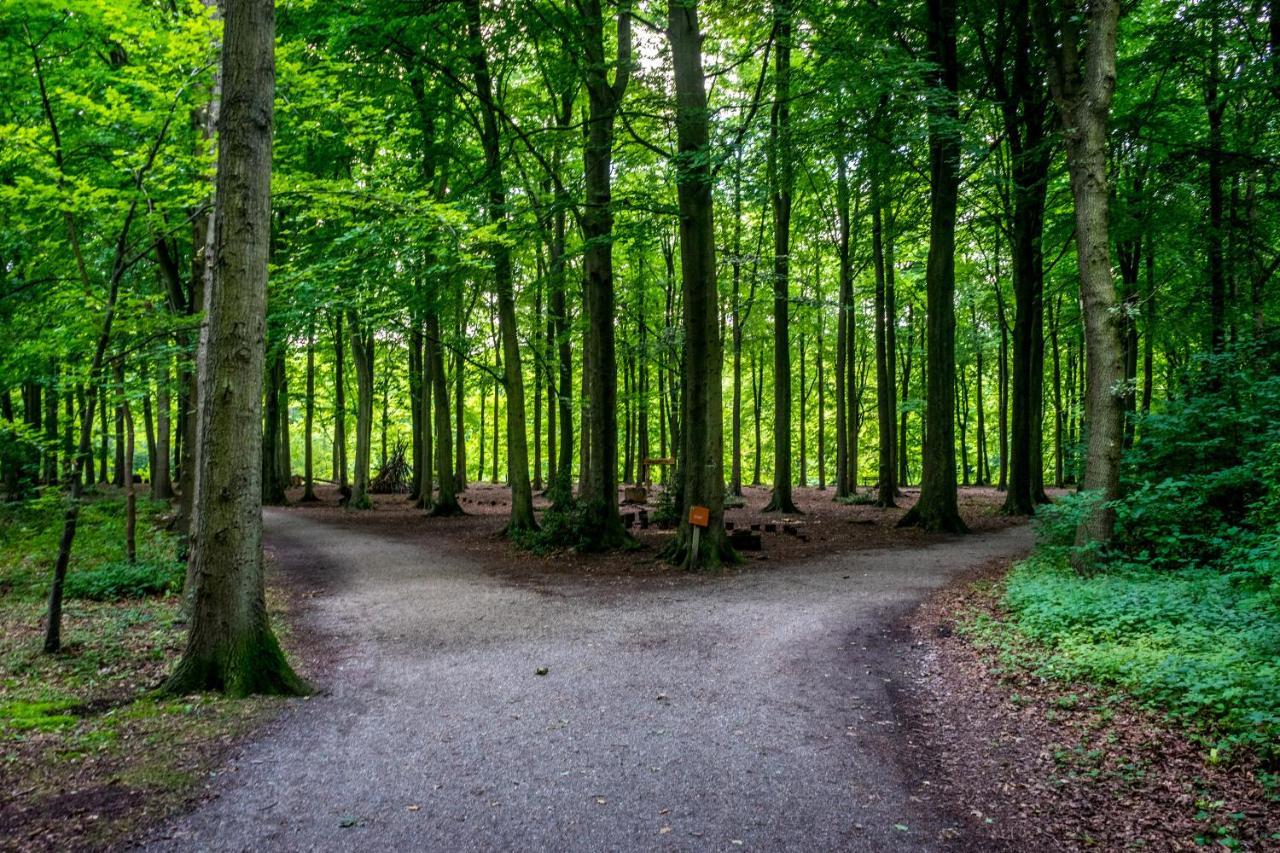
[699,516]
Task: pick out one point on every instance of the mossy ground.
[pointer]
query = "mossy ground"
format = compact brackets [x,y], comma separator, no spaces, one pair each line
[88,754]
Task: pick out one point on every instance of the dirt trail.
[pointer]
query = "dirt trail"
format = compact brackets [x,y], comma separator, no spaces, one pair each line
[734,713]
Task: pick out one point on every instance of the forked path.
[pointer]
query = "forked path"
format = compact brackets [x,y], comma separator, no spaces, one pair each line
[734,713]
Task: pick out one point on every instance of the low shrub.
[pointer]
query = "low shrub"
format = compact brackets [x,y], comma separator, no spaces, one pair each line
[1184,611]
[116,580]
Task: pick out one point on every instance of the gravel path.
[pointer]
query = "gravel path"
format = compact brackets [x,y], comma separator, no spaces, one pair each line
[733,713]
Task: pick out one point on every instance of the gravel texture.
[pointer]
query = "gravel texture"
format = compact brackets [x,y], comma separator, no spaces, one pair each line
[746,711]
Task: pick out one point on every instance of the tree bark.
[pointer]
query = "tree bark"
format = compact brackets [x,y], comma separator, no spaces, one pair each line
[937,509]
[272,486]
[161,479]
[600,491]
[845,483]
[230,645]
[1083,92]
[362,356]
[522,517]
[339,404]
[885,403]
[702,454]
[446,499]
[781,179]
[308,454]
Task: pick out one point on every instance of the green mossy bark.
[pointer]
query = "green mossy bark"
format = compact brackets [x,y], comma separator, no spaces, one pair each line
[254,665]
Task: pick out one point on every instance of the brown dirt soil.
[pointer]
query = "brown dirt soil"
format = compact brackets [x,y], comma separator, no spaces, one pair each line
[823,527]
[1048,765]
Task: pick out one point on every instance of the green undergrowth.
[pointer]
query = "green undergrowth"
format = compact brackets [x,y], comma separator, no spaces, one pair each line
[564,528]
[1199,646]
[29,535]
[1182,608]
[89,713]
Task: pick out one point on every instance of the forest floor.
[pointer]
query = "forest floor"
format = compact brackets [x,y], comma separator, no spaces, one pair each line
[476,698]
[1046,764]
[87,753]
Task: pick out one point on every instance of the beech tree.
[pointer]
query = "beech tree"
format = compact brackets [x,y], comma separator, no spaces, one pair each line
[230,645]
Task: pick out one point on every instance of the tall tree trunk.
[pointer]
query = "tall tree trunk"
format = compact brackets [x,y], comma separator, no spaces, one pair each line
[757,400]
[904,468]
[161,479]
[537,378]
[285,456]
[702,454]
[1215,107]
[885,490]
[308,453]
[936,509]
[459,400]
[735,261]
[1083,93]
[561,492]
[517,443]
[983,462]
[50,474]
[417,429]
[845,483]
[642,417]
[600,491]
[339,404]
[272,486]
[1002,382]
[117,476]
[230,646]
[148,419]
[822,403]
[446,502]
[130,488]
[781,179]
[362,355]
[1054,321]
[1021,92]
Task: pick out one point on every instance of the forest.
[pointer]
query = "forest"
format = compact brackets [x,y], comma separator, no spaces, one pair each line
[585,289]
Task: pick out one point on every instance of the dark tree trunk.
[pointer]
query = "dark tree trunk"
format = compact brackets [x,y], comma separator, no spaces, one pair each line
[885,489]
[904,469]
[446,500]
[1215,107]
[936,509]
[846,483]
[339,404]
[117,388]
[362,355]
[780,184]
[702,456]
[272,486]
[308,470]
[417,428]
[161,479]
[600,490]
